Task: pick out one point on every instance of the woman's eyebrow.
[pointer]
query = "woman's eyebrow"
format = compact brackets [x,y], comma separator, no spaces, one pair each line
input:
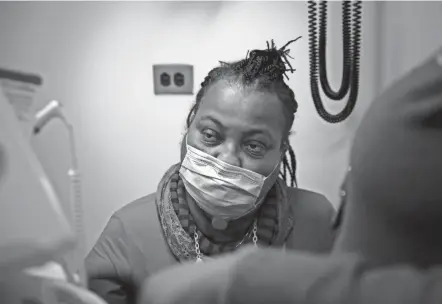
[254,130]
[212,119]
[259,131]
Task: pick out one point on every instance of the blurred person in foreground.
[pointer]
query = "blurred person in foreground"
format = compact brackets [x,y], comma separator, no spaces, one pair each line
[388,250]
[235,184]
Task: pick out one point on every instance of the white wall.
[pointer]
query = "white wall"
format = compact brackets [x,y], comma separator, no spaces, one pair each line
[412,31]
[97,58]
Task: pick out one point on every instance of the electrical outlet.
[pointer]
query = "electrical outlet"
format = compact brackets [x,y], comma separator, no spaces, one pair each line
[173,79]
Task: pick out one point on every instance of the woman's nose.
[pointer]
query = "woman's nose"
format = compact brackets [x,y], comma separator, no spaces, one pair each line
[228,154]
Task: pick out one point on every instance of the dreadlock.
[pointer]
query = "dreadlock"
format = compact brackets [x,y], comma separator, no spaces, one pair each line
[264,70]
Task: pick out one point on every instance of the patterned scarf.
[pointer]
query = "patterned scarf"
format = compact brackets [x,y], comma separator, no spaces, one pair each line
[274,219]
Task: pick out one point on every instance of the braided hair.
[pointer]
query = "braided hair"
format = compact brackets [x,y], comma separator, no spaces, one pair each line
[262,70]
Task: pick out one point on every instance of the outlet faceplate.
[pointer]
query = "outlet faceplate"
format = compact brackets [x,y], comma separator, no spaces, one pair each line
[173,79]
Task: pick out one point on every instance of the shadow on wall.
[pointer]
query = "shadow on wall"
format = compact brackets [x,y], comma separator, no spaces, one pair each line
[97,59]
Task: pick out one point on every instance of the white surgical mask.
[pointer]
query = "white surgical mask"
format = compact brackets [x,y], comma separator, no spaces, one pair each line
[223,190]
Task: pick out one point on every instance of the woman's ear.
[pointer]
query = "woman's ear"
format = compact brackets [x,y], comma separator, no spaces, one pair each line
[284,146]
[286,142]
[337,221]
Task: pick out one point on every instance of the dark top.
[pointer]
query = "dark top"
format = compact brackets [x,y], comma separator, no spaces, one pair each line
[132,246]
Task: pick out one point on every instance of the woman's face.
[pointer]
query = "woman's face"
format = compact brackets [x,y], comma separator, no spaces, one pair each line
[244,128]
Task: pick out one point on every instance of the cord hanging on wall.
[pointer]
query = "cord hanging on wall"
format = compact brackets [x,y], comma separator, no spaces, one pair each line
[351,34]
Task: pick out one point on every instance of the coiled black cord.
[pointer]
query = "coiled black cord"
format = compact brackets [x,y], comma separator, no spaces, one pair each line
[351,57]
[346,33]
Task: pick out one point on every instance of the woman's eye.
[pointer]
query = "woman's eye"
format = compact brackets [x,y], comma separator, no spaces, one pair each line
[209,136]
[256,148]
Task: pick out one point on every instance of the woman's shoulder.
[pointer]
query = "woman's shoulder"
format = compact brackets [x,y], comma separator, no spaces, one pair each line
[132,243]
[310,202]
[137,215]
[137,207]
[313,216]
[143,236]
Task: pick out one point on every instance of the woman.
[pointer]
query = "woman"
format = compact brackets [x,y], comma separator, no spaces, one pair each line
[387,251]
[226,190]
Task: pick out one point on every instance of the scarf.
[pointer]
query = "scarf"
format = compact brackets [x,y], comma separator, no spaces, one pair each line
[274,219]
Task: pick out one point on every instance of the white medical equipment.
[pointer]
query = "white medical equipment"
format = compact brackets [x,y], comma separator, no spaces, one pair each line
[35,234]
[54,110]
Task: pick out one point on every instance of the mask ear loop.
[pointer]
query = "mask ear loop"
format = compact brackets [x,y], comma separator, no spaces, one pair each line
[183,147]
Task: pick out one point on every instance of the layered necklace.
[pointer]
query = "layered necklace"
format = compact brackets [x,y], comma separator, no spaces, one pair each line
[254,230]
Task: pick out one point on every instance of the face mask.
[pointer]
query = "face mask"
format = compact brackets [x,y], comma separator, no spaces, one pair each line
[223,190]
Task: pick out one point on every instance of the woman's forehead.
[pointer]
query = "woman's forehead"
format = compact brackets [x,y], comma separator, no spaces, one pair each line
[233,102]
